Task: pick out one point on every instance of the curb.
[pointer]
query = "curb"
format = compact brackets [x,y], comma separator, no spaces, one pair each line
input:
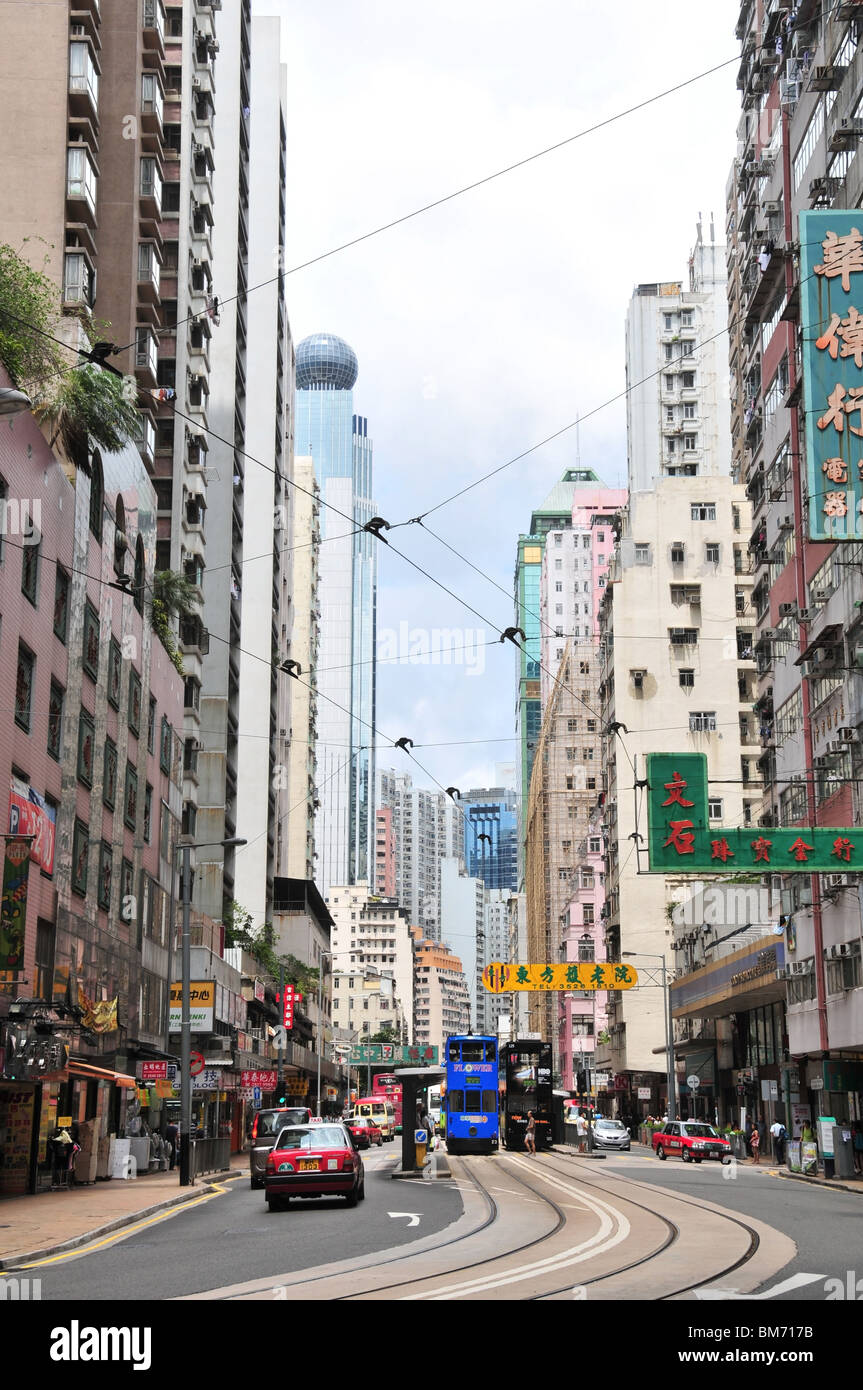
[823,1182]
[444,1170]
[15,1261]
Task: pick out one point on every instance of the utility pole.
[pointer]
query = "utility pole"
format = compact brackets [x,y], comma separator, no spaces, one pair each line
[280,1075]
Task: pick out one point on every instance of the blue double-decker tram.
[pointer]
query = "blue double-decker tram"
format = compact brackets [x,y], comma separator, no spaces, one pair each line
[471,1094]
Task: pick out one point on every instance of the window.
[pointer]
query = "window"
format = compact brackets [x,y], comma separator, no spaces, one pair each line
[703,723]
[571,726]
[106,868]
[687,679]
[703,511]
[55,720]
[642,554]
[134,702]
[165,746]
[61,604]
[669,352]
[685,593]
[151,725]
[558,564]
[669,383]
[688,381]
[91,641]
[591,726]
[678,554]
[686,318]
[689,414]
[714,807]
[24,686]
[690,442]
[45,936]
[558,588]
[30,572]
[114,673]
[86,737]
[711,553]
[80,852]
[683,636]
[109,781]
[130,803]
[127,897]
[668,322]
[97,497]
[594,845]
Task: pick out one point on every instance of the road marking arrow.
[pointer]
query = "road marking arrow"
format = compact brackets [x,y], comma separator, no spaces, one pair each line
[412,1216]
[795,1282]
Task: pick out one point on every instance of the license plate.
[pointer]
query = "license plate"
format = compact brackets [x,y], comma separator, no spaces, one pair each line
[306,1163]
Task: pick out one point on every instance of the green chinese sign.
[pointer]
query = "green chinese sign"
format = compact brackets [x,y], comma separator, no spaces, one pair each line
[681,839]
[831,301]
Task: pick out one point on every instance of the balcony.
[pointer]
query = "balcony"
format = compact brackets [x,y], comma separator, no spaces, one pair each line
[79,281]
[148,273]
[152,104]
[83,81]
[145,438]
[153,26]
[150,189]
[81,175]
[146,356]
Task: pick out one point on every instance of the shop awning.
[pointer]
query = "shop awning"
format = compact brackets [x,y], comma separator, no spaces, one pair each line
[86,1069]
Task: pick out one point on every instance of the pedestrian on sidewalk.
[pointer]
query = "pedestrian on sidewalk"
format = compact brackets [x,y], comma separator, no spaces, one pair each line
[530,1133]
[780,1135]
[581,1132]
[755,1144]
[857,1142]
[172,1135]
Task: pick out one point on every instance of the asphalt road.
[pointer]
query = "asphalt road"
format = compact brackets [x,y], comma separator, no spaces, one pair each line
[234,1237]
[826,1224]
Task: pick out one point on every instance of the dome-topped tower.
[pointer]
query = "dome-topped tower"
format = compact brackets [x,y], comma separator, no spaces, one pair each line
[326,362]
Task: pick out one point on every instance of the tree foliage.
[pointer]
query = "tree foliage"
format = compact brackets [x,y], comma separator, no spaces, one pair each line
[260,943]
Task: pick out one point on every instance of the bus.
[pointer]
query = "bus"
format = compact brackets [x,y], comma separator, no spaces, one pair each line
[388,1086]
[527,1065]
[380,1111]
[471,1094]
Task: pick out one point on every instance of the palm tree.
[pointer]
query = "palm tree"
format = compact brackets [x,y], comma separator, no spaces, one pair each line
[174,593]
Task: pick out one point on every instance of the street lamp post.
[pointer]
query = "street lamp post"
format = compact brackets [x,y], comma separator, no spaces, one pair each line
[186,1008]
[330,956]
[669,1031]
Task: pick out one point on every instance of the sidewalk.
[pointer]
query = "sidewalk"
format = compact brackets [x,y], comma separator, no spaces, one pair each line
[769,1167]
[33,1228]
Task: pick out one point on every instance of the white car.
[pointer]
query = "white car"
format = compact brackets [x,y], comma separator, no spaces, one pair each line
[610,1134]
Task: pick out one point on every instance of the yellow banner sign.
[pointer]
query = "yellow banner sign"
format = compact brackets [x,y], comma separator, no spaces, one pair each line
[498,978]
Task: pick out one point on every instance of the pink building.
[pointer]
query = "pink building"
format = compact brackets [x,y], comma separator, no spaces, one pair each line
[582,1016]
[574,568]
[92,760]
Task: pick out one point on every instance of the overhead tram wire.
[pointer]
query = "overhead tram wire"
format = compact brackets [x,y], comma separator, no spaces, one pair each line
[459,192]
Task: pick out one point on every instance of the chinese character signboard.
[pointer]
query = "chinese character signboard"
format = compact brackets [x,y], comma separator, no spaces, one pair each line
[153,1071]
[498,978]
[288,1006]
[681,839]
[202,994]
[13,907]
[266,1080]
[392,1054]
[30,814]
[831,296]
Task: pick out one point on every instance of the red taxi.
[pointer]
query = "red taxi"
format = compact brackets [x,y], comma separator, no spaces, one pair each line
[691,1140]
[315,1160]
[364,1131]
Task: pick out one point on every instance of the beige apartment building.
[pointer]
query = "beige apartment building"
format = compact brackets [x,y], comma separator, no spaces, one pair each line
[295,821]
[441,995]
[373,948]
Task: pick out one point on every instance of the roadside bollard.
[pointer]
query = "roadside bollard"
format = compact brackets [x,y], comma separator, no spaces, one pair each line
[421,1141]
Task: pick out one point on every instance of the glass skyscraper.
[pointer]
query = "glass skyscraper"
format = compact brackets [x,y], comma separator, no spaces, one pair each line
[336,438]
[492,813]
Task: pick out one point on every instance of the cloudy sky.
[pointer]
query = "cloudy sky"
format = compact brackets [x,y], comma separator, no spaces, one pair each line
[489,323]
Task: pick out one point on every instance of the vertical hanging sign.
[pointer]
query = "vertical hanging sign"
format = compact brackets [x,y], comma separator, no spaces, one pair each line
[13,908]
[831,301]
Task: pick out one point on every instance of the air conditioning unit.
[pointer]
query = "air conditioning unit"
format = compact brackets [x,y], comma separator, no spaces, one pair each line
[819,596]
[788,610]
[807,615]
[821,764]
[196,82]
[222,1045]
[776,492]
[638,679]
[789,92]
[834,747]
[771,208]
[848,735]
[851,125]
[770,634]
[786,523]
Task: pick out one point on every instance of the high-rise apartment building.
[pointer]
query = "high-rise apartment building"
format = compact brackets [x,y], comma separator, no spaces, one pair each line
[441,1000]
[298,704]
[799,141]
[491,836]
[371,938]
[462,921]
[676,650]
[426,828]
[554,514]
[336,438]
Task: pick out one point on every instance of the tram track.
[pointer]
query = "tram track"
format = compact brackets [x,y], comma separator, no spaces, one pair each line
[754,1238]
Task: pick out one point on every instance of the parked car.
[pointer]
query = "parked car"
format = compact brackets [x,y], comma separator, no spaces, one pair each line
[610,1134]
[314,1161]
[365,1131]
[692,1141]
[266,1127]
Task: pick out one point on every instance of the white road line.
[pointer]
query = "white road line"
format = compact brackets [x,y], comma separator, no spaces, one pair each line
[597,1244]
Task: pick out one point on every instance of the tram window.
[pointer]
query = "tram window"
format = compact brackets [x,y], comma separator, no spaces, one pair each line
[472,1052]
[455,1102]
[489,1052]
[473,1102]
[489,1100]
[454,1052]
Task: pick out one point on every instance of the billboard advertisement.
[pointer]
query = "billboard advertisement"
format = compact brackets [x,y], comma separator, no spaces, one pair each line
[29,814]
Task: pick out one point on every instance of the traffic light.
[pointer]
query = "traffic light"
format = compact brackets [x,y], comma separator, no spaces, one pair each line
[281,1100]
[581,1082]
